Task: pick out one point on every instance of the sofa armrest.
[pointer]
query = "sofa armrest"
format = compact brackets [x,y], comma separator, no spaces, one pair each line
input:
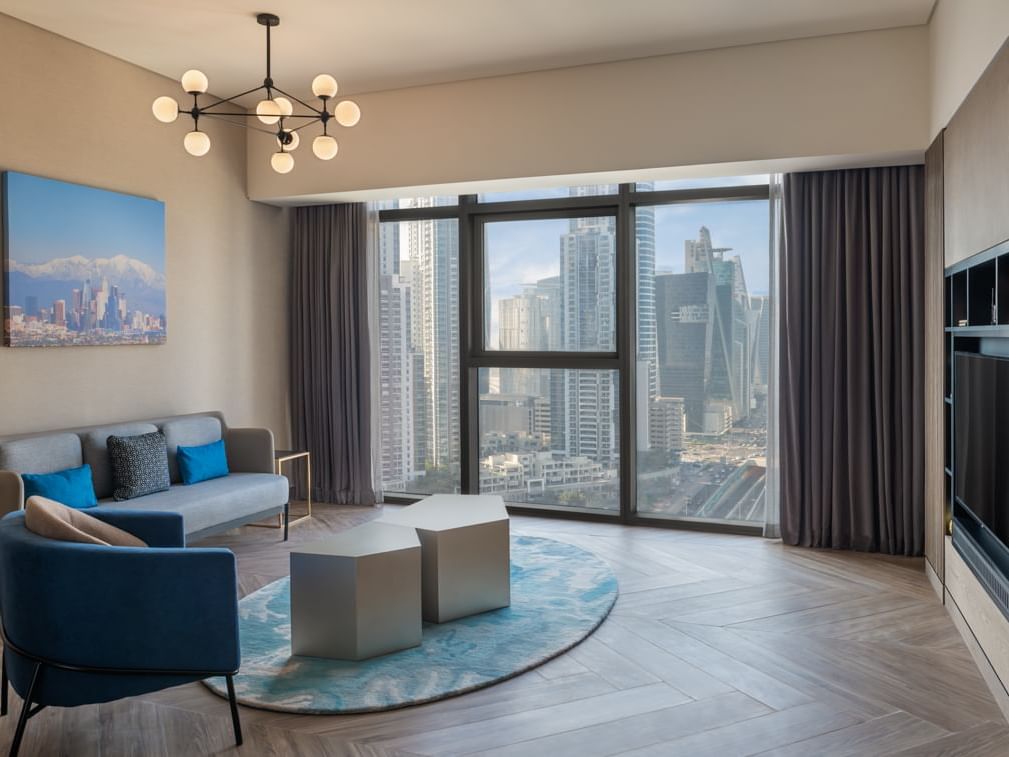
[157,529]
[127,608]
[250,450]
[12,492]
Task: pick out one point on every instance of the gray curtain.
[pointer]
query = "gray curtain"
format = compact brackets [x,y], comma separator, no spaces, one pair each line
[330,351]
[852,360]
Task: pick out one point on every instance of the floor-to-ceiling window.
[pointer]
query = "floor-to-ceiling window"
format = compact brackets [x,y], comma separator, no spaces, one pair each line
[596,349]
[418,343]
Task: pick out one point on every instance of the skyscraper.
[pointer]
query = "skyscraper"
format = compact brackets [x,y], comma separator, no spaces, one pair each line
[685,304]
[647,356]
[433,251]
[396,402]
[588,324]
[730,374]
[529,321]
[760,319]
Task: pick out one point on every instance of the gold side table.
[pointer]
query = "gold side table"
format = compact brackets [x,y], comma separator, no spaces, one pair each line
[282,456]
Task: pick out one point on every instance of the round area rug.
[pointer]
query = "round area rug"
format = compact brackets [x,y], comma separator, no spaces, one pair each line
[560,594]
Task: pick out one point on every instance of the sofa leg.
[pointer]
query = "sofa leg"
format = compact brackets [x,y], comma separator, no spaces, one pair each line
[235,722]
[26,712]
[3,686]
[287,518]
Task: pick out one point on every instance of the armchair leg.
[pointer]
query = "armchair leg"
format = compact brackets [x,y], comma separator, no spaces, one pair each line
[235,722]
[287,518]
[3,686]
[26,712]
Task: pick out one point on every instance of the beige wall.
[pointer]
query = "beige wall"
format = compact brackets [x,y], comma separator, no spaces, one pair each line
[864,93]
[964,36]
[71,113]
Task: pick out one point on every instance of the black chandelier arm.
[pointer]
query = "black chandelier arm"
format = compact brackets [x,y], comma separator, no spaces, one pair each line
[223,117]
[315,110]
[247,114]
[305,125]
[230,99]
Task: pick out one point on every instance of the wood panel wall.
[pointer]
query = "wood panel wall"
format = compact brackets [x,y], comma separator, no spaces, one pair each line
[976,166]
[967,207]
[935,448]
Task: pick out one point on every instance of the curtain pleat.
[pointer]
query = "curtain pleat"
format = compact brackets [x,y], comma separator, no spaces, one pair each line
[330,351]
[852,360]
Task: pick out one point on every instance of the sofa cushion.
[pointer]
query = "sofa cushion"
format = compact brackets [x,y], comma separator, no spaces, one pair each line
[211,503]
[71,487]
[139,465]
[202,463]
[96,453]
[188,432]
[41,454]
[53,520]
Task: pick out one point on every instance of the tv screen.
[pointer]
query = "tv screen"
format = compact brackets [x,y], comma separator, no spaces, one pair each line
[981,439]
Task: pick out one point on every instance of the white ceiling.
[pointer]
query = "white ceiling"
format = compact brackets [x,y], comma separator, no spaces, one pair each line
[384,44]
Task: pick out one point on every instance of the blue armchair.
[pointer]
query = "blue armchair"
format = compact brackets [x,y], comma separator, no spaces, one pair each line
[84,624]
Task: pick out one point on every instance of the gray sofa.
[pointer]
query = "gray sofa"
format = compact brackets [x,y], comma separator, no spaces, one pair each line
[251,492]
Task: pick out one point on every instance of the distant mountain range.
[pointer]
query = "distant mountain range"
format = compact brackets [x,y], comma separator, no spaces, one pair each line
[56,279]
[121,270]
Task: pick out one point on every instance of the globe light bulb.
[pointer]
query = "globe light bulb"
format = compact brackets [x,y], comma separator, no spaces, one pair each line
[197,143]
[268,111]
[282,162]
[165,109]
[194,82]
[325,147]
[324,85]
[285,105]
[347,113]
[293,144]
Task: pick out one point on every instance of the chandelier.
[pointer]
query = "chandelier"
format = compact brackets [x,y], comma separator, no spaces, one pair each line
[276,109]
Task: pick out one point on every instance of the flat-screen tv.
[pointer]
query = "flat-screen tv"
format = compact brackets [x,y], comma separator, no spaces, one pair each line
[981,440]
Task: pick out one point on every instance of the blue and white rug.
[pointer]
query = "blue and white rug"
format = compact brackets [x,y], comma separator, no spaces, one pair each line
[560,594]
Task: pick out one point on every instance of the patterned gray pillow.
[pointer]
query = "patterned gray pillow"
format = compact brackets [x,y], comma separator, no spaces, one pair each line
[139,465]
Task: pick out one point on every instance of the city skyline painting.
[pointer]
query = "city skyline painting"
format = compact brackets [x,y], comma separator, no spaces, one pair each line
[82,266]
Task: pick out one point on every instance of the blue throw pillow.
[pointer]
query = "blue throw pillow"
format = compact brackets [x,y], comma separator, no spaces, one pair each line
[202,463]
[72,487]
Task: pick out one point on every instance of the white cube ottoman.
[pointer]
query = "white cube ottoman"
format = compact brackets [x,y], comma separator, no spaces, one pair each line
[466,556]
[358,594]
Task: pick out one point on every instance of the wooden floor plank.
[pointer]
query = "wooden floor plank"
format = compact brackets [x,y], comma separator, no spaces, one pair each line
[896,731]
[754,735]
[544,721]
[641,730]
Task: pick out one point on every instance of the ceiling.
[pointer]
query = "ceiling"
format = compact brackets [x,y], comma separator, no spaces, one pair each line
[373,45]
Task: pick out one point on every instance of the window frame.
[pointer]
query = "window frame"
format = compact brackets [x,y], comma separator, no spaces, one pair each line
[472,215]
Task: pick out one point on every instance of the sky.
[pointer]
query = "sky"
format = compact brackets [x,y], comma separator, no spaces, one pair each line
[48,219]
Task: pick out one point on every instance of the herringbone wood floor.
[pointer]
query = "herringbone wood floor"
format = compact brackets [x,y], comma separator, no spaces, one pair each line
[718,645]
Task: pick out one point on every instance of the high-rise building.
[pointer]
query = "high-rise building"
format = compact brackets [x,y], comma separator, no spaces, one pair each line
[396,402]
[729,363]
[60,313]
[647,355]
[685,304]
[388,250]
[667,424]
[588,323]
[760,320]
[432,247]
[529,321]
